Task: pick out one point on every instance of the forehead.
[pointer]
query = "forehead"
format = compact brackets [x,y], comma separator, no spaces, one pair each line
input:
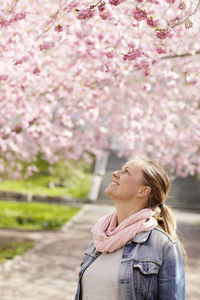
[133,166]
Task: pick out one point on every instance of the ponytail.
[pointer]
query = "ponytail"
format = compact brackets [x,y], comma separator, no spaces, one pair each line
[167,222]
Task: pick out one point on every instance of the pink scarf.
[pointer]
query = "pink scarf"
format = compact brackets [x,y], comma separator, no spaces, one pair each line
[108,237]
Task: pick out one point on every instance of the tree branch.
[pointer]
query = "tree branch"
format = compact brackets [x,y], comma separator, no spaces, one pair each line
[93,6]
[183,21]
[179,55]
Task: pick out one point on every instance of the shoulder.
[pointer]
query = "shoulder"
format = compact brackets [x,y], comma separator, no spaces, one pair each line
[165,243]
[162,240]
[163,236]
[155,237]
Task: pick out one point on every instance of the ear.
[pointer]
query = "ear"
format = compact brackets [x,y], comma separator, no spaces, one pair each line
[143,191]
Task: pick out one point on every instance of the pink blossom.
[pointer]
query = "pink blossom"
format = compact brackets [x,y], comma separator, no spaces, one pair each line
[161,50]
[174,21]
[20,61]
[139,14]
[146,87]
[102,6]
[133,54]
[170,1]
[92,114]
[106,68]
[110,54]
[144,64]
[85,14]
[154,2]
[100,36]
[36,71]
[20,16]
[89,42]
[3,77]
[131,44]
[60,115]
[188,24]
[46,45]
[106,15]
[58,28]
[4,23]
[10,40]
[71,6]
[151,22]
[5,131]
[115,2]
[164,33]
[17,17]
[191,80]
[182,6]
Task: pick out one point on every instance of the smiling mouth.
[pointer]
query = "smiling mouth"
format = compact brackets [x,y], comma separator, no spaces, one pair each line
[115,182]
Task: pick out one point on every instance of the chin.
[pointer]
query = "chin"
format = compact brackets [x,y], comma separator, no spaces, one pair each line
[109,191]
[110,194]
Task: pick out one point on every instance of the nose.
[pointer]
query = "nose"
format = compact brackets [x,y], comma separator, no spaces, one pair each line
[115,174]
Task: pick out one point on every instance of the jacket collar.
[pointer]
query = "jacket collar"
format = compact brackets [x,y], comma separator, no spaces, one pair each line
[141,237]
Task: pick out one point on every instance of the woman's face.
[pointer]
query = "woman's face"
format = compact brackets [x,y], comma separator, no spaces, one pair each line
[126,182]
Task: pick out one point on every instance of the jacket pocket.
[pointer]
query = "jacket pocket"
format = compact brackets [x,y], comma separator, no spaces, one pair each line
[145,279]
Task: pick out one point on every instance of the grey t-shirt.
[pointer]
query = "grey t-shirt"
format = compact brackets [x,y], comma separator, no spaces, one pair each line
[100,279]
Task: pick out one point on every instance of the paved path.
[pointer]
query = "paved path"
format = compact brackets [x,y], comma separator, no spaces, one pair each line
[50,270]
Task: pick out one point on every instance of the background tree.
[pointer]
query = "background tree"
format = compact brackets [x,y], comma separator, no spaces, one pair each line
[77,77]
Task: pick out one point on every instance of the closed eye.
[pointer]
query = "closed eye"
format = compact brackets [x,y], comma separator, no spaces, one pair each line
[125,170]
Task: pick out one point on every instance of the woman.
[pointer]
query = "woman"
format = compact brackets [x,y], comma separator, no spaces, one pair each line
[135,253]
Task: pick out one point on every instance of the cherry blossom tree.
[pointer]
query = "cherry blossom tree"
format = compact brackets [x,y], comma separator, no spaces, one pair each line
[78,77]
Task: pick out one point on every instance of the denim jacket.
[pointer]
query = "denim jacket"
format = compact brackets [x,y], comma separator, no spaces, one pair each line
[152,267]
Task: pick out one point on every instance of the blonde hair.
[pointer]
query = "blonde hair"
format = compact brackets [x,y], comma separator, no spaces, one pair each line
[157,179]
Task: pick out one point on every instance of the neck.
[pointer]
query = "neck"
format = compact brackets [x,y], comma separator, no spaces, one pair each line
[125,210]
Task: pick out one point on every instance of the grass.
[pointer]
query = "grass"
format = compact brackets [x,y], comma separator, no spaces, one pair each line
[9,247]
[34,216]
[39,185]
[70,180]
